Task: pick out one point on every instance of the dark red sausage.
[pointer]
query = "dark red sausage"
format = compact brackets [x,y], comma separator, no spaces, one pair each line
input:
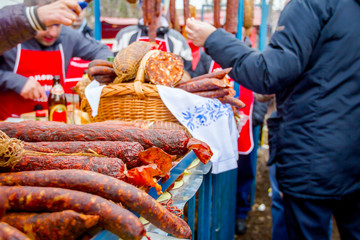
[145,12]
[126,151]
[151,4]
[65,225]
[8,232]
[219,74]
[218,93]
[205,84]
[231,21]
[232,101]
[41,199]
[113,167]
[102,74]
[217,7]
[3,204]
[118,191]
[186,10]
[172,12]
[171,141]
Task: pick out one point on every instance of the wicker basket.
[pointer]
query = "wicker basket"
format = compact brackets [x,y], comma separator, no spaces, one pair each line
[128,102]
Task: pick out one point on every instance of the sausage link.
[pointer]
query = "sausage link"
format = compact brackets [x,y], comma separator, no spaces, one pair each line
[217,7]
[8,232]
[231,21]
[220,74]
[126,151]
[113,167]
[41,199]
[65,225]
[205,84]
[171,141]
[102,74]
[186,10]
[118,191]
[218,93]
[232,101]
[172,12]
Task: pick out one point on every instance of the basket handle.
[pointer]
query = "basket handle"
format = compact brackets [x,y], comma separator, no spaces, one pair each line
[140,75]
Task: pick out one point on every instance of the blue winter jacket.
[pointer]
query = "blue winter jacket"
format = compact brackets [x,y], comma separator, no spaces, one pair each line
[312,64]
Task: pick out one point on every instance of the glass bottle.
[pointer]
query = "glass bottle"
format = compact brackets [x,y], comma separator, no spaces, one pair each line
[57,102]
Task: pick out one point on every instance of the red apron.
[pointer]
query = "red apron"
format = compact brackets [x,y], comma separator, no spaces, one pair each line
[42,65]
[245,141]
[74,73]
[163,44]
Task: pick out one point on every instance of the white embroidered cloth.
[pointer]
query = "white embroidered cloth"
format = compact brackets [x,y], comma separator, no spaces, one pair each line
[207,120]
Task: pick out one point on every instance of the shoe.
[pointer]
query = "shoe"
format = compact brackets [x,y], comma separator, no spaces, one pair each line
[240,227]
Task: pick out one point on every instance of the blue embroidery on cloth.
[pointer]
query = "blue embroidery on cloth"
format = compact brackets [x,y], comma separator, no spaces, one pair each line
[205,114]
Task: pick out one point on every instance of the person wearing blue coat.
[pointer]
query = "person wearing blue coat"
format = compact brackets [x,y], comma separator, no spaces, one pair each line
[312,64]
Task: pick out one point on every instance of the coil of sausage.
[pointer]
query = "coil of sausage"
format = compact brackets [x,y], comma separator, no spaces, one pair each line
[118,191]
[44,199]
[126,151]
[232,101]
[64,225]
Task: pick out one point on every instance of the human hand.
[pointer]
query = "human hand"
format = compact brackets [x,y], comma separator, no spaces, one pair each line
[198,31]
[59,12]
[33,90]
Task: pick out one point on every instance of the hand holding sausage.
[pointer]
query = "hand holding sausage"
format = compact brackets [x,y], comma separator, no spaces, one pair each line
[102,71]
[198,31]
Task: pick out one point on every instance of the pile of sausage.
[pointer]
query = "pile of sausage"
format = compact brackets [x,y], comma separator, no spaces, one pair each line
[63,204]
[212,85]
[77,188]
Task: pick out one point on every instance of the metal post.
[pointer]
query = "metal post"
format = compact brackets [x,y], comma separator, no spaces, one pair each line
[263,26]
[240,19]
[97,23]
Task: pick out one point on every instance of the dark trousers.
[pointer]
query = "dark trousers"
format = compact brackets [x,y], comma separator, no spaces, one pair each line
[309,218]
[246,179]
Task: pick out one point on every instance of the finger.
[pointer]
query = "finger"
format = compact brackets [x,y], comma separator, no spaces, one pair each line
[74,6]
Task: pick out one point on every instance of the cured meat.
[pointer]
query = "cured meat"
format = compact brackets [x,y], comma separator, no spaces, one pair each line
[65,225]
[112,217]
[126,151]
[232,101]
[113,167]
[152,19]
[144,7]
[3,204]
[201,150]
[204,84]
[218,93]
[127,60]
[172,12]
[171,141]
[164,68]
[186,10]
[8,232]
[219,74]
[118,191]
[102,74]
[231,21]
[217,7]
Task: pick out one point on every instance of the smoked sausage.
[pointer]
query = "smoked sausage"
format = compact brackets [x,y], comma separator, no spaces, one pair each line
[112,216]
[8,232]
[107,187]
[65,225]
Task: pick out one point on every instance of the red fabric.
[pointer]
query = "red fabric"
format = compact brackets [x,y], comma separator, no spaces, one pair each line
[195,52]
[42,65]
[75,72]
[163,45]
[245,141]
